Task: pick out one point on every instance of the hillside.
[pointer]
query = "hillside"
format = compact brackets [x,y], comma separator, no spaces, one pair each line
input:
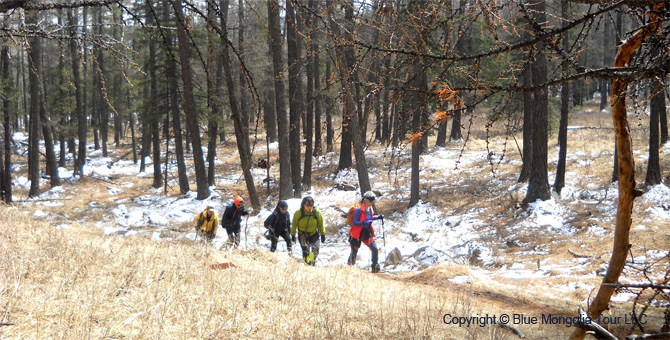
[105,256]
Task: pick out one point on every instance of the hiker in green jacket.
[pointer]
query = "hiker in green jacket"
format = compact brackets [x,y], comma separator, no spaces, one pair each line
[309,222]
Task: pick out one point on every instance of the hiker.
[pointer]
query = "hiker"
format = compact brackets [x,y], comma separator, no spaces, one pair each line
[206,223]
[363,232]
[309,223]
[232,220]
[279,224]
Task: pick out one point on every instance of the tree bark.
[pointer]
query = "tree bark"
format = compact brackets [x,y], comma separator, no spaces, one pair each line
[212,93]
[627,191]
[103,106]
[329,113]
[295,95]
[285,178]
[538,182]
[559,181]
[154,116]
[80,101]
[527,143]
[241,134]
[456,133]
[315,36]
[657,105]
[171,73]
[309,109]
[247,117]
[34,56]
[191,114]
[6,105]
[344,55]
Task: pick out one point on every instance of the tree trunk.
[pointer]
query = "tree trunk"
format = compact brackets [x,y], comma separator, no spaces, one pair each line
[241,134]
[247,117]
[627,191]
[329,114]
[52,163]
[154,115]
[6,105]
[315,36]
[103,106]
[420,144]
[657,106]
[285,178]
[295,96]
[173,85]
[80,100]
[191,114]
[607,39]
[118,99]
[34,55]
[344,55]
[456,133]
[559,181]
[441,139]
[527,143]
[212,93]
[309,108]
[538,182]
[664,125]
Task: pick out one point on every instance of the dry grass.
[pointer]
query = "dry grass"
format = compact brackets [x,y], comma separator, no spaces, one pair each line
[76,284]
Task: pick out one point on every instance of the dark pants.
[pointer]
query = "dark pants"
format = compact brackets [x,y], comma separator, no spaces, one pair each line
[205,235]
[309,244]
[355,244]
[233,238]
[274,239]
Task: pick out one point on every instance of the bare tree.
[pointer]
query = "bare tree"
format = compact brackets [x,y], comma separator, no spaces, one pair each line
[285,178]
[191,114]
[241,134]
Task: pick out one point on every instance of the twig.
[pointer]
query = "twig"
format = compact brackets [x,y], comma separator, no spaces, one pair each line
[578,255]
[99,179]
[600,332]
[638,285]
[514,330]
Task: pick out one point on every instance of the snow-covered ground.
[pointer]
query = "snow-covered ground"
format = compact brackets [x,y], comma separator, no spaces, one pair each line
[425,234]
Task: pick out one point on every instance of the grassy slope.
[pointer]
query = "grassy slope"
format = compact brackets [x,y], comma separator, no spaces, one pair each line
[75,283]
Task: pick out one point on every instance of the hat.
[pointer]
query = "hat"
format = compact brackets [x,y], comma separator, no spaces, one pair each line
[370,196]
[238,200]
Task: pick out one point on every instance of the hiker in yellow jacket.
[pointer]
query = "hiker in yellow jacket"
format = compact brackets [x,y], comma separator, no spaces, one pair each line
[206,223]
[309,223]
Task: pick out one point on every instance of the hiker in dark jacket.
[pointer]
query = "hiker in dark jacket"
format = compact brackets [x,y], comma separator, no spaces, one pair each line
[279,225]
[232,220]
[363,232]
[308,221]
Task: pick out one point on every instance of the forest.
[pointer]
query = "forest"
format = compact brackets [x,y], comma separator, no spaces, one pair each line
[174,80]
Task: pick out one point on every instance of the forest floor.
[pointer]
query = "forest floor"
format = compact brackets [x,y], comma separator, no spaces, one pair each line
[470,248]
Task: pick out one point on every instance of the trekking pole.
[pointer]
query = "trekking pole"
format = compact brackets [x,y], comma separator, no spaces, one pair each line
[384,237]
[246,226]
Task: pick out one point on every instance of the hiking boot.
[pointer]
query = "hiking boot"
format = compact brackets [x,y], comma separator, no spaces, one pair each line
[376,268]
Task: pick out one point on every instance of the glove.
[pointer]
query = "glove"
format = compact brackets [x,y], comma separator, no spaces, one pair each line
[380,217]
[367,224]
[293,238]
[323,238]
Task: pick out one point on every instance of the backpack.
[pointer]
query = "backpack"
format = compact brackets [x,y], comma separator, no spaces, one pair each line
[350,215]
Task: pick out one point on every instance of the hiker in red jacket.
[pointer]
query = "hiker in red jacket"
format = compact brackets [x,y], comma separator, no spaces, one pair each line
[363,232]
